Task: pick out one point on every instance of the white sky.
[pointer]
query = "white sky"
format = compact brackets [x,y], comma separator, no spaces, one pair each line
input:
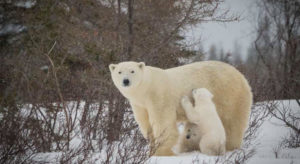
[226,34]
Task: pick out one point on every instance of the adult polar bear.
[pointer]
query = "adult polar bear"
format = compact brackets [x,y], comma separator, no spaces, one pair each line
[155,95]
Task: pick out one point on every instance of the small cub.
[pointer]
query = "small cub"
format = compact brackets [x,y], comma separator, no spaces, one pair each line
[204,131]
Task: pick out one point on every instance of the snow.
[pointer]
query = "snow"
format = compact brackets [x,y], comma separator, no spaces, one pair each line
[9,29]
[185,60]
[49,157]
[270,135]
[25,4]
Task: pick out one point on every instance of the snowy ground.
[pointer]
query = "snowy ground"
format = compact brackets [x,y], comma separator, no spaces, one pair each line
[271,134]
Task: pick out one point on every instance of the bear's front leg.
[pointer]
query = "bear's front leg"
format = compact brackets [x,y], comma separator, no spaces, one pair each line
[141,117]
[163,122]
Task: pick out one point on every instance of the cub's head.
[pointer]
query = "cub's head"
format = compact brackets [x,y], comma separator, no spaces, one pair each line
[202,93]
[191,132]
[127,75]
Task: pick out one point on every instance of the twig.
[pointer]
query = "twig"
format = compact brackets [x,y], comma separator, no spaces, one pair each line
[59,91]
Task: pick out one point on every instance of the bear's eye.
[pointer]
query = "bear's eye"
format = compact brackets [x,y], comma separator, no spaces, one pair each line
[120,72]
[132,71]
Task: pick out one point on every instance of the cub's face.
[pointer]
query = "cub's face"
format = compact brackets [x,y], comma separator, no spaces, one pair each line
[127,75]
[191,133]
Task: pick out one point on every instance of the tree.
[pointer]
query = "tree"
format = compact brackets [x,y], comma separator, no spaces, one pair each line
[277,45]
[237,60]
[213,53]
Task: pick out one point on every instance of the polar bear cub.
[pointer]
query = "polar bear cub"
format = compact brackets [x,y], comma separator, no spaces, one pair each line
[205,128]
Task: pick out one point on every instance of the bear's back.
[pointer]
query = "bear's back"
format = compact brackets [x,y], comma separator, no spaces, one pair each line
[230,88]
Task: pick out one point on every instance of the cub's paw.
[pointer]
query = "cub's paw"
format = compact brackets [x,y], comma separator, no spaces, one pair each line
[202,93]
[185,100]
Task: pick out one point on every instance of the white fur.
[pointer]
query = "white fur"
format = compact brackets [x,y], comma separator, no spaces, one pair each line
[155,95]
[208,129]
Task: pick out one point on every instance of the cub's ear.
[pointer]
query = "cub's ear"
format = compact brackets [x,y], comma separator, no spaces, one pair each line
[141,65]
[112,67]
[210,95]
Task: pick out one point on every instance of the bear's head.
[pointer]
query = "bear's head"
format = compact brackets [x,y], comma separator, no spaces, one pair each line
[127,75]
[202,93]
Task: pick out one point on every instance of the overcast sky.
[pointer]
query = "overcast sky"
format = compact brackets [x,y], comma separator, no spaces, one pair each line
[226,34]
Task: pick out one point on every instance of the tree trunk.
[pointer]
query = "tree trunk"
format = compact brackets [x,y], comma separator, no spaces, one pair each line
[130,30]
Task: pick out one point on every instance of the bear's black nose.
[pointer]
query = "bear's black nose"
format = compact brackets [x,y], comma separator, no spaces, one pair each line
[188,137]
[126,82]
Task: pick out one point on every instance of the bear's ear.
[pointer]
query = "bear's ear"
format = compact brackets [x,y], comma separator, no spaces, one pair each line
[112,67]
[141,65]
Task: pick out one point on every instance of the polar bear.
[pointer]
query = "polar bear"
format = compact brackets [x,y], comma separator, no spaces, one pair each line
[205,132]
[155,94]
